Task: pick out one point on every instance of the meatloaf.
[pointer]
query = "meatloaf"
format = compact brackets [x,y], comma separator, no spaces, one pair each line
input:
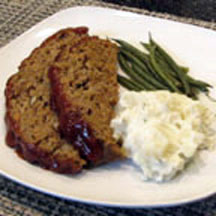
[32,124]
[85,91]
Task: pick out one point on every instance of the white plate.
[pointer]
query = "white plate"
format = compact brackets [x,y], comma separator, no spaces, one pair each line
[117,184]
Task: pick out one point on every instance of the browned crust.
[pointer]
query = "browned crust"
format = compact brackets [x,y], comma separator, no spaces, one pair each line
[72,125]
[78,30]
[31,153]
[71,117]
[14,139]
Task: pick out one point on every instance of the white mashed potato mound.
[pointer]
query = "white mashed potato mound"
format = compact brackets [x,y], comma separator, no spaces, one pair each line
[162,131]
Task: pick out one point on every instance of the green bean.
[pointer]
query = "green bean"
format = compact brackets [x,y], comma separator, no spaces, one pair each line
[174,66]
[184,69]
[160,72]
[148,68]
[128,70]
[194,92]
[166,69]
[133,59]
[156,70]
[140,64]
[139,54]
[197,82]
[148,77]
[165,66]
[201,88]
[129,84]
[147,47]
[153,72]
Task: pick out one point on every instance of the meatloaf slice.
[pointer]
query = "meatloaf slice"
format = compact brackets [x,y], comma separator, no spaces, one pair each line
[85,91]
[31,122]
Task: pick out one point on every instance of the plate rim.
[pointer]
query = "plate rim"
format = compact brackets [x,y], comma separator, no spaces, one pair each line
[102,203]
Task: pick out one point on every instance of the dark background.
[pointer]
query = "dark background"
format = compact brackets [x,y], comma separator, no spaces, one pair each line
[199,9]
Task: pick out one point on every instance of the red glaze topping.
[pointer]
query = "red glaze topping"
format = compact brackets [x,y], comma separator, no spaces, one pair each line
[73,127]
[80,135]
[33,154]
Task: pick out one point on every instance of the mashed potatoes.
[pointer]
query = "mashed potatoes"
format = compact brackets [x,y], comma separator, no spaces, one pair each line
[162,131]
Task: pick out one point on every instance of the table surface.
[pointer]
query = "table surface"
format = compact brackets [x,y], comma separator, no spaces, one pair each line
[198,9]
[16,16]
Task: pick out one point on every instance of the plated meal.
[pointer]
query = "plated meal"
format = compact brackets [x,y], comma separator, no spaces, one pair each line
[67,110]
[117,174]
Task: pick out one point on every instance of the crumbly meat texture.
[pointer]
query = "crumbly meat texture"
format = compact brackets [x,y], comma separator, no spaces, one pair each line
[85,91]
[31,122]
